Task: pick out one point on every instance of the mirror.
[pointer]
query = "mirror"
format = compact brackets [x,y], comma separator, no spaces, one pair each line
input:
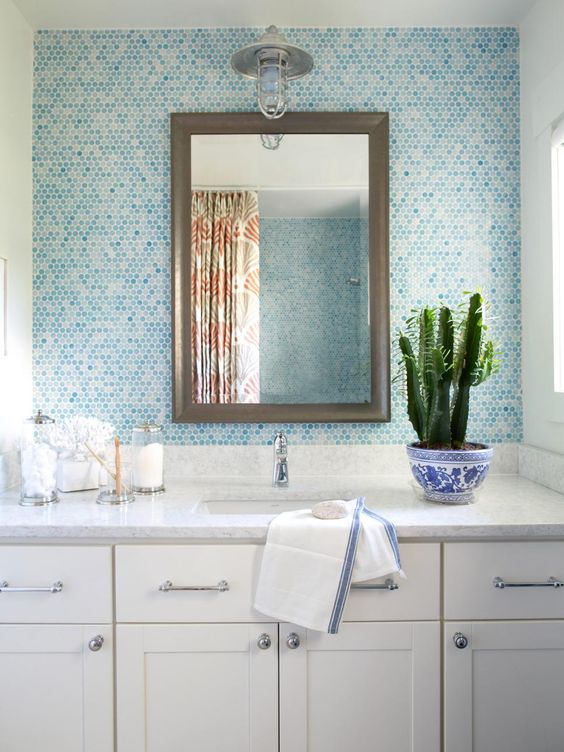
[280,263]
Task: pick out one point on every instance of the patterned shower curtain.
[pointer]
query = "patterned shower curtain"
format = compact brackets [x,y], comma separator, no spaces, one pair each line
[225,297]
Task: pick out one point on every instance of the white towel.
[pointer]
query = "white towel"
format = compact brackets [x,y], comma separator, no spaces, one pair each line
[308,564]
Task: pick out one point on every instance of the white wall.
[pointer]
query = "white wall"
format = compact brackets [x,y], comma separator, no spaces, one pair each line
[16,69]
[542,103]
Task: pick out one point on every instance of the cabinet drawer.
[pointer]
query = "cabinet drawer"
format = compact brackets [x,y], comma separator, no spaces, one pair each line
[56,584]
[471,570]
[142,570]
[416,598]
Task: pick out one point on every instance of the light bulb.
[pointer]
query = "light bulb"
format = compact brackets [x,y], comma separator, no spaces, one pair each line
[272,84]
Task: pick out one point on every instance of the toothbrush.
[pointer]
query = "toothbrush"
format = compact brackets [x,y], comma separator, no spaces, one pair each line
[118,466]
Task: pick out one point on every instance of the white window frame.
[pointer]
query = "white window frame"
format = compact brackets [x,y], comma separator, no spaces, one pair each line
[543,109]
[557,169]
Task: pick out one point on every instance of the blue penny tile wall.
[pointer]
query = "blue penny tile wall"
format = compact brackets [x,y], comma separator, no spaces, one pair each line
[102,100]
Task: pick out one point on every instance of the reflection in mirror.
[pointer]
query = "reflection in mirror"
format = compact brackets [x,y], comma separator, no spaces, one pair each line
[279,268]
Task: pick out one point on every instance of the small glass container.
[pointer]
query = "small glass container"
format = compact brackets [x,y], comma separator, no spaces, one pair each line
[110,493]
[38,462]
[148,459]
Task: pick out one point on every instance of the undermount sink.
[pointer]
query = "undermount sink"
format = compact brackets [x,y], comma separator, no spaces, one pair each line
[259,506]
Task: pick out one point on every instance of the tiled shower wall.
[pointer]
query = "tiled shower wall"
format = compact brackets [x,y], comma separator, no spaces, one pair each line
[313,333]
[102,100]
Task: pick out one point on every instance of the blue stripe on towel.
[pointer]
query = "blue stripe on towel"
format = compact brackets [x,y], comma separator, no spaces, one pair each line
[391,533]
[347,570]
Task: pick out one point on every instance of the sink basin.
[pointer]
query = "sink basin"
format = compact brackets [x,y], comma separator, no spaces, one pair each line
[259,506]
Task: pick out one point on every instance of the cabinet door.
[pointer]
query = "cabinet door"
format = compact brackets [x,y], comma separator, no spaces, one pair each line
[504,689]
[56,694]
[204,687]
[372,687]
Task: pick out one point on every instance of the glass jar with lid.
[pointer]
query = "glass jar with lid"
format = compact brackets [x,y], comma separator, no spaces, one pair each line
[38,462]
[148,459]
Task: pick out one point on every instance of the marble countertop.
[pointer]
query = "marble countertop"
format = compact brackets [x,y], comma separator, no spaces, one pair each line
[508,506]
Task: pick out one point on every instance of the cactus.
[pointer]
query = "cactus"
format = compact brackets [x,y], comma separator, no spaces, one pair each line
[451,358]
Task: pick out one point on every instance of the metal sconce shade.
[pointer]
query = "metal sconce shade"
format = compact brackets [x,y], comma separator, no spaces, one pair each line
[272,61]
[299,62]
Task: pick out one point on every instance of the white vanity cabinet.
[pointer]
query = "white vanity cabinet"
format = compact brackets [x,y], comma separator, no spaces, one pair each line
[224,687]
[56,693]
[56,656]
[196,667]
[232,680]
[206,687]
[504,678]
[504,690]
[374,686]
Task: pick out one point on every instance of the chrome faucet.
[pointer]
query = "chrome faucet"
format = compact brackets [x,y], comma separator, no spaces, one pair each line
[280,471]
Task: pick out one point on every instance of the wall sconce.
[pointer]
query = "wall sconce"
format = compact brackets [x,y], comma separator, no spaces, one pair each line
[271,141]
[272,62]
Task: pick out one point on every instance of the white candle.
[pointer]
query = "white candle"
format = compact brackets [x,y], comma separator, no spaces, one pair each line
[148,467]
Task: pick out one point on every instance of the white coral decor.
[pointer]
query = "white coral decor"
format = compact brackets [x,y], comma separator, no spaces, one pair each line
[71,437]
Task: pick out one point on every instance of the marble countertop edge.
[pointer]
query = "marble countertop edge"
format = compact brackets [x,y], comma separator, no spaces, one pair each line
[509,506]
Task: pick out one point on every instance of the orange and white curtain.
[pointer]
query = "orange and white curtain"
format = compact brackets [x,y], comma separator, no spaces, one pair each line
[225,297]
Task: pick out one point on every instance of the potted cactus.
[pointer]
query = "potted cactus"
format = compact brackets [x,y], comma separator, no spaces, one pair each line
[443,356]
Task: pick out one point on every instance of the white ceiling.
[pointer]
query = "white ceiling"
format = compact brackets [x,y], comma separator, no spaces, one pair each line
[86,14]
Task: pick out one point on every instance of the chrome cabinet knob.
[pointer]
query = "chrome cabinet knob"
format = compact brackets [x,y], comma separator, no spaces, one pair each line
[460,640]
[264,641]
[96,643]
[293,641]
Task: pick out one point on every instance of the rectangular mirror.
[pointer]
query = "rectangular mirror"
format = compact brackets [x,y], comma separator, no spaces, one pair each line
[280,266]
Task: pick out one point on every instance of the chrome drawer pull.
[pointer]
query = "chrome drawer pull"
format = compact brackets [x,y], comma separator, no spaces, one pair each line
[56,587]
[552,582]
[167,586]
[389,584]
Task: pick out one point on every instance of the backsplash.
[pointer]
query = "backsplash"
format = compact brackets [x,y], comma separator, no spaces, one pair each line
[102,334]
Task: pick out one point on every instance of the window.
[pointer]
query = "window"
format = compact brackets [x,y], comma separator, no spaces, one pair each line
[558,252]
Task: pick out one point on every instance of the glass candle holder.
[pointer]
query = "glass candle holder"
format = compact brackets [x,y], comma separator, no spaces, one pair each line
[115,490]
[148,459]
[38,462]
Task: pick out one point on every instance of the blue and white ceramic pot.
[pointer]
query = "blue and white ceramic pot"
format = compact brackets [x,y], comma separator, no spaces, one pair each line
[449,476]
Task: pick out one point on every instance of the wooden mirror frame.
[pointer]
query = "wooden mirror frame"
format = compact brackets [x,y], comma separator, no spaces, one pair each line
[375,125]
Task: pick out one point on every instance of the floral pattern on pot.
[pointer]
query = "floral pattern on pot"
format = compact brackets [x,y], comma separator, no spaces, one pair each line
[449,476]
